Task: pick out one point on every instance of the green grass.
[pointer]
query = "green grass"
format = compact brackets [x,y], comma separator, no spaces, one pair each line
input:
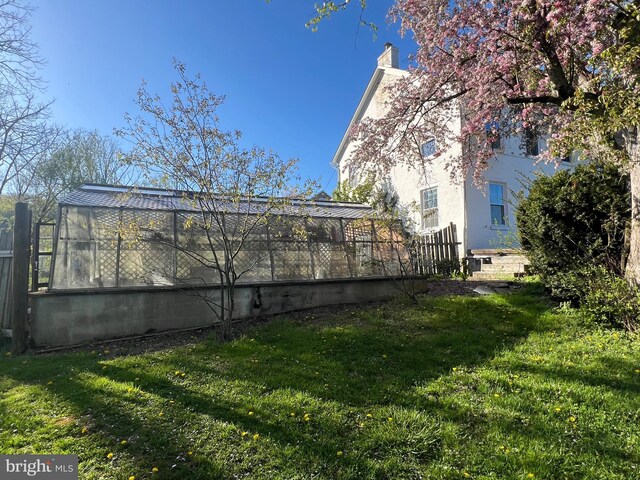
[456,387]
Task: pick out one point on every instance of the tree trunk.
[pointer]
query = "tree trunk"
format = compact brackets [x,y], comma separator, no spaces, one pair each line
[228,315]
[632,145]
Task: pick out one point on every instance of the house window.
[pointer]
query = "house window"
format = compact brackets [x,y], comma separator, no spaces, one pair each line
[492,131]
[429,148]
[430,207]
[496,200]
[531,143]
[353,178]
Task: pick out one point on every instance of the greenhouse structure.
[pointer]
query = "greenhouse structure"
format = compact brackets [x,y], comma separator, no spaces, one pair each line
[112,237]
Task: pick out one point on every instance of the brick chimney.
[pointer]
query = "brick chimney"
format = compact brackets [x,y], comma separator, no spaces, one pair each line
[389,57]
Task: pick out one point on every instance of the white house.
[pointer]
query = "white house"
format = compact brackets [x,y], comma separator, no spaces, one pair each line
[484,216]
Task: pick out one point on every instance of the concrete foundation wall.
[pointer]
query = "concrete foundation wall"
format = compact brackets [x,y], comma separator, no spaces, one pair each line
[70,318]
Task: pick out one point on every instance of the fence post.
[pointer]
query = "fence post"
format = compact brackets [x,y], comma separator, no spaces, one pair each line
[20,278]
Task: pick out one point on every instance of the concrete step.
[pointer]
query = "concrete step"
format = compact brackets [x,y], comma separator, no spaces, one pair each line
[510,259]
[495,276]
[504,267]
[489,252]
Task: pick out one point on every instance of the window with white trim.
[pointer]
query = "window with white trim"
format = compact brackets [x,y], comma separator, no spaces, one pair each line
[492,131]
[531,143]
[497,203]
[429,202]
[428,148]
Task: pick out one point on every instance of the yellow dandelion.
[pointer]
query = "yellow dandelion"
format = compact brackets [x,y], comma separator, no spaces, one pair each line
[466,474]
[292,414]
[572,419]
[109,455]
[85,429]
[369,415]
[154,469]
[558,409]
[250,413]
[123,442]
[132,477]
[339,453]
[182,374]
[390,419]
[496,395]
[256,436]
[455,369]
[244,434]
[129,390]
[190,453]
[307,417]
[637,370]
[177,372]
[530,475]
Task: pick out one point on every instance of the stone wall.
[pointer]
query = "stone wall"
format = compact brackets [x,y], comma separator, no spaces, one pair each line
[70,318]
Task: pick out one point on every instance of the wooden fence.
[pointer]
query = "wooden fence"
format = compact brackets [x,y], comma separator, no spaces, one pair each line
[437,253]
[6,260]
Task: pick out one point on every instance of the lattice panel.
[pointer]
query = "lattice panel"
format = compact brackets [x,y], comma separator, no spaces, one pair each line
[291,260]
[145,263]
[324,230]
[365,262]
[358,230]
[75,224]
[106,258]
[193,237]
[330,260]
[187,264]
[288,229]
[105,223]
[302,248]
[255,257]
[239,226]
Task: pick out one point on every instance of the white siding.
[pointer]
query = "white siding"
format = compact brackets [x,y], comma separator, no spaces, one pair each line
[459,201]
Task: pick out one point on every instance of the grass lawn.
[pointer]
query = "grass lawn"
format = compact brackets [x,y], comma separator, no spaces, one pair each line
[456,387]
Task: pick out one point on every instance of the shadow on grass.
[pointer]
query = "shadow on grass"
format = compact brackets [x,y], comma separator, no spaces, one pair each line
[374,358]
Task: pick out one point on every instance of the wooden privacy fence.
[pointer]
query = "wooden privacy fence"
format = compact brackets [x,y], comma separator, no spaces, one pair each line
[6,259]
[437,253]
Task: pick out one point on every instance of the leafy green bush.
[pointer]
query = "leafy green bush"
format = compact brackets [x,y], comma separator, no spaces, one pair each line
[610,300]
[572,220]
[361,193]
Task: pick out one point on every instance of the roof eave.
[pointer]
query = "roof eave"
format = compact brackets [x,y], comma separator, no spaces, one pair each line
[372,87]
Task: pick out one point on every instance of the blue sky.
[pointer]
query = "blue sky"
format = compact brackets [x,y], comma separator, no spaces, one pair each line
[287,88]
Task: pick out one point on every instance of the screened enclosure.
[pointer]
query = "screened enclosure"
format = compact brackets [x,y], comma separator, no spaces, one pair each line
[110,237]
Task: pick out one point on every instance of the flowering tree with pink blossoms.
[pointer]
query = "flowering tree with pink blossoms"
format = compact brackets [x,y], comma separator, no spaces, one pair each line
[564,69]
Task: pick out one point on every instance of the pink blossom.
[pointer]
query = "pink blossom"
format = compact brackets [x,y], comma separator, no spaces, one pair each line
[490,60]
